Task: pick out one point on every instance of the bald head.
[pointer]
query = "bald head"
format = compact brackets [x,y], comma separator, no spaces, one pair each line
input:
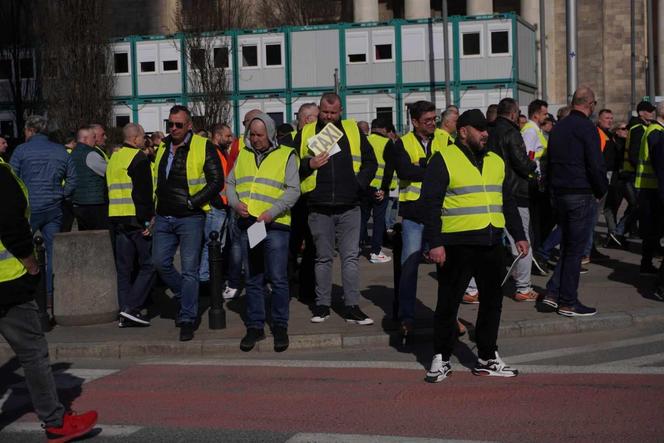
[134,134]
[584,100]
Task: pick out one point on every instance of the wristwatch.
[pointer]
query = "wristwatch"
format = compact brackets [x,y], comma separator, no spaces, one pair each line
[190,206]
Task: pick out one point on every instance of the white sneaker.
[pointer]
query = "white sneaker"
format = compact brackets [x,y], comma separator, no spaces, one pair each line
[439,370]
[229,293]
[495,367]
[379,258]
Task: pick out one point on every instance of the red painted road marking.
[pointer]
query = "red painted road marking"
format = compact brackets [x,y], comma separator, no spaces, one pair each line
[383,402]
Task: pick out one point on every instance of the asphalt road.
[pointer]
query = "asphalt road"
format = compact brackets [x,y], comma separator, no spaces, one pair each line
[600,386]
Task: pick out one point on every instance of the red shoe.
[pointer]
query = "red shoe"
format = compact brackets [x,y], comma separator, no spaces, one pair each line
[73,426]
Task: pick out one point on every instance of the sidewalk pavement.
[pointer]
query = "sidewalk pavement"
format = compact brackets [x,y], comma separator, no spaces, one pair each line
[622,297]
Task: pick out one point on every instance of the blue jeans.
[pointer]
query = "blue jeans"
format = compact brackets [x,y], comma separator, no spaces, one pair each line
[214,221]
[48,223]
[391,212]
[411,255]
[187,232]
[591,237]
[269,256]
[575,213]
[550,243]
[236,261]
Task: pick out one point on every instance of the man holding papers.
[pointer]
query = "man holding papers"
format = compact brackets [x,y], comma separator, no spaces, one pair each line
[262,188]
[338,163]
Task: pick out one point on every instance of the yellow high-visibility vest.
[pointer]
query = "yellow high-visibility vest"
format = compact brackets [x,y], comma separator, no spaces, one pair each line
[260,187]
[11,267]
[119,183]
[543,141]
[378,143]
[627,165]
[409,190]
[473,200]
[645,174]
[352,132]
[443,138]
[195,161]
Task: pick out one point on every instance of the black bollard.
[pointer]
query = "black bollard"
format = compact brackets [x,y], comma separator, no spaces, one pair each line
[217,314]
[397,245]
[40,295]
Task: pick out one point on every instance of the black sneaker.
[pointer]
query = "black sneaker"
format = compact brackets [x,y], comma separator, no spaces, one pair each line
[583,270]
[539,266]
[494,367]
[320,314]
[280,334]
[253,336]
[121,322]
[356,316]
[550,301]
[578,310]
[134,316]
[439,370]
[648,269]
[659,294]
[186,330]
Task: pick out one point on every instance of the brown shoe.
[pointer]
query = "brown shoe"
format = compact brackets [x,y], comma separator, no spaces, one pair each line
[528,296]
[471,299]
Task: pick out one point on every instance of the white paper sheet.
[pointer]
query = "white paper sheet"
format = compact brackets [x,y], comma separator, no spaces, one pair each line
[256,233]
[509,271]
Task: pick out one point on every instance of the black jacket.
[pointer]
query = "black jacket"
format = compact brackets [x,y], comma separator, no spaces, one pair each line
[16,236]
[505,140]
[173,191]
[611,151]
[575,163]
[635,137]
[434,188]
[656,146]
[140,172]
[406,170]
[337,186]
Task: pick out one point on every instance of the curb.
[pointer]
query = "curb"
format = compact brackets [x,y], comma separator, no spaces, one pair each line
[211,348]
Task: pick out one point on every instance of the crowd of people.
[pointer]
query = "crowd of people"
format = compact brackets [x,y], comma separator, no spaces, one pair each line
[468,187]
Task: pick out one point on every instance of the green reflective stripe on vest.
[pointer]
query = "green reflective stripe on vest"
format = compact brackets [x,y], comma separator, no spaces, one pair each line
[10,267]
[120,203]
[473,200]
[260,187]
[543,141]
[196,180]
[645,174]
[378,143]
[352,133]
[408,190]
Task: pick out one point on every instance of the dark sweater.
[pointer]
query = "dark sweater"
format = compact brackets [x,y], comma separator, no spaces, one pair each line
[16,236]
[575,163]
[656,145]
[434,189]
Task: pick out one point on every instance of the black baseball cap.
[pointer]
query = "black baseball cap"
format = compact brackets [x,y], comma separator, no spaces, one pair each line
[474,118]
[645,106]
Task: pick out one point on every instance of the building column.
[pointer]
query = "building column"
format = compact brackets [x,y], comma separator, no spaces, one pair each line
[659,23]
[530,12]
[365,11]
[479,7]
[417,9]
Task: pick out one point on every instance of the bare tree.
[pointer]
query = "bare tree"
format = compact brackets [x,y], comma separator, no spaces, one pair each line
[298,12]
[17,59]
[76,61]
[208,52]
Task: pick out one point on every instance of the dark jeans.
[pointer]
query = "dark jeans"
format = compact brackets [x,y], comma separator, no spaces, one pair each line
[20,327]
[300,232]
[541,216]
[91,217]
[575,213]
[235,258]
[651,221]
[372,206]
[627,190]
[133,256]
[48,223]
[550,243]
[67,216]
[485,263]
[267,259]
[187,232]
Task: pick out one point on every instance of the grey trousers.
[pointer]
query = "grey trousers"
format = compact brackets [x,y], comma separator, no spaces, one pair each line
[345,229]
[522,269]
[20,327]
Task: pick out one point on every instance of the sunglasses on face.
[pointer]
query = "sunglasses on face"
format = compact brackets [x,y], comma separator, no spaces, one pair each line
[170,124]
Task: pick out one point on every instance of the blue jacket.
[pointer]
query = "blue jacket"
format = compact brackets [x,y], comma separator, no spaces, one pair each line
[575,161]
[47,171]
